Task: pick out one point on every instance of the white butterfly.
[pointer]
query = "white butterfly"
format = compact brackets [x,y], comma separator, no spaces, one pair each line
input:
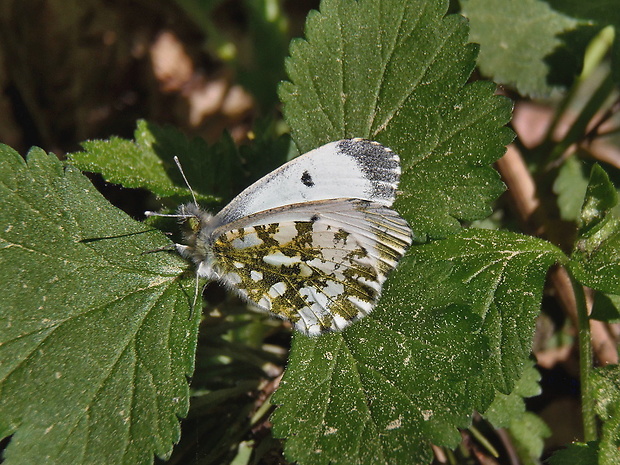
[311,242]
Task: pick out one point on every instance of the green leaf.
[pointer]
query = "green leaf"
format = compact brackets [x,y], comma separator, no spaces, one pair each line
[148,162]
[515,40]
[400,79]
[601,197]
[601,13]
[606,307]
[508,411]
[570,186]
[454,326]
[528,433]
[596,256]
[507,407]
[216,172]
[606,384]
[576,453]
[266,152]
[96,339]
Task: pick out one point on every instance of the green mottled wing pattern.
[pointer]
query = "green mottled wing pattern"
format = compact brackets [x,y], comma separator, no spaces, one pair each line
[320,265]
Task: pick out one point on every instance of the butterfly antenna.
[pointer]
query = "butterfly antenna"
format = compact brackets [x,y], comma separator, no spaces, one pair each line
[176,160]
[191,191]
[164,215]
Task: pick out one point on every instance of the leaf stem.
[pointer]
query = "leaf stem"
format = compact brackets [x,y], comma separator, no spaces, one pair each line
[585,361]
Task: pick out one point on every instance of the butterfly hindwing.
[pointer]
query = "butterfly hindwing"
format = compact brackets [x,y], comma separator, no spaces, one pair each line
[320,265]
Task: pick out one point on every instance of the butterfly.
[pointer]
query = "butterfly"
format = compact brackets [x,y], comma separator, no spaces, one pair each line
[311,242]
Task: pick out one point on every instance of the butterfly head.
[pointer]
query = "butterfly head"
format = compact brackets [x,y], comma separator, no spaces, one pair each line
[197,227]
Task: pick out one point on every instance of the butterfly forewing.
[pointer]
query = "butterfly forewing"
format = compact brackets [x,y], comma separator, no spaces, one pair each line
[349,168]
[320,265]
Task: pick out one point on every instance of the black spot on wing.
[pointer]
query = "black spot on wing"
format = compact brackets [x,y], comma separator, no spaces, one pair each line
[306,179]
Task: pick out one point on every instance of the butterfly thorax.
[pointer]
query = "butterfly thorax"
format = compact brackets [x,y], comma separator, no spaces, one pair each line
[198,226]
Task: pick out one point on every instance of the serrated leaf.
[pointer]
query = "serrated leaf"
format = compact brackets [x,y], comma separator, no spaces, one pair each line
[528,433]
[454,326]
[266,152]
[508,411]
[515,40]
[400,79]
[606,385]
[147,162]
[595,260]
[507,407]
[96,342]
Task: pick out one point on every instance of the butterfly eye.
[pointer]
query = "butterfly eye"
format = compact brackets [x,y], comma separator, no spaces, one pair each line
[193,224]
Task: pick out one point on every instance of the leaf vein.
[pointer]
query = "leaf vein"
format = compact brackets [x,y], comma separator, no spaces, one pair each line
[414,84]
[382,78]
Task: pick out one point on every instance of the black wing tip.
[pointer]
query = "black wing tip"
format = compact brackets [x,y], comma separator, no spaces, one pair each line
[379,163]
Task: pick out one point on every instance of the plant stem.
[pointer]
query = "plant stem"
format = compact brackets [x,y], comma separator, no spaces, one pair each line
[595,54]
[585,361]
[578,128]
[483,441]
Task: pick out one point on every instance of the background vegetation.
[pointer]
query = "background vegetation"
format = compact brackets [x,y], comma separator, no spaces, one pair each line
[483,348]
